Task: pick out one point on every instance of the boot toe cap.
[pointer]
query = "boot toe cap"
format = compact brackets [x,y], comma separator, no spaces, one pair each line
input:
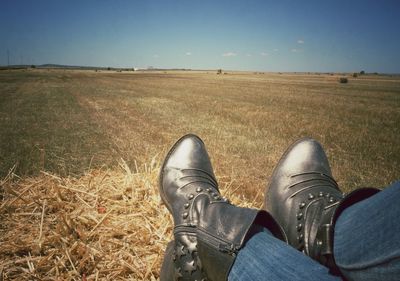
[304,156]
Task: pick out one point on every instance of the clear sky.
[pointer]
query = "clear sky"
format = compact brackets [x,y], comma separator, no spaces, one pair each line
[265,35]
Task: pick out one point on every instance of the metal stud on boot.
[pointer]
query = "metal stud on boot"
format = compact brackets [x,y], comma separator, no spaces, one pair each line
[306,201]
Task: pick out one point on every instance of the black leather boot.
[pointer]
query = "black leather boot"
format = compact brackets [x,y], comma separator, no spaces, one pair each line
[306,201]
[167,271]
[209,231]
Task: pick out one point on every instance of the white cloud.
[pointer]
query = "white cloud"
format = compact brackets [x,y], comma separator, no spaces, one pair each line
[248,55]
[296,50]
[300,41]
[264,54]
[229,54]
[156,56]
[188,54]
[276,50]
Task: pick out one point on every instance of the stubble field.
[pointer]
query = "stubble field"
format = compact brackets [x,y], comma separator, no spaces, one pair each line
[80,153]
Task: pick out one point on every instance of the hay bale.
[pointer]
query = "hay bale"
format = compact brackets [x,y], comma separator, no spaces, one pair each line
[105,225]
[343,80]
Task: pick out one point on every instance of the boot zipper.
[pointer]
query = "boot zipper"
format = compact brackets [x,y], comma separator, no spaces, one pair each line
[229,249]
[218,243]
[211,239]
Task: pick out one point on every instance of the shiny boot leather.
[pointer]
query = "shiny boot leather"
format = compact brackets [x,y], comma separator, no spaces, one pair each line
[167,270]
[306,201]
[209,231]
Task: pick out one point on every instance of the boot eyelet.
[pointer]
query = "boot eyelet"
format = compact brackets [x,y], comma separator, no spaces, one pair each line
[299,227]
[209,190]
[191,196]
[321,194]
[331,200]
[185,215]
[310,196]
[186,205]
[302,205]
[199,189]
[299,216]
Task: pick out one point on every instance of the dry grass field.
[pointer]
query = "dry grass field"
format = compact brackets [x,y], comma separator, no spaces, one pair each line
[81,202]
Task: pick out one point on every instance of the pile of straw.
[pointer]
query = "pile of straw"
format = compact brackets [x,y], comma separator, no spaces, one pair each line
[105,225]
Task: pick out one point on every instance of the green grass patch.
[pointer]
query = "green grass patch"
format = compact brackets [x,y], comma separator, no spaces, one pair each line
[43,127]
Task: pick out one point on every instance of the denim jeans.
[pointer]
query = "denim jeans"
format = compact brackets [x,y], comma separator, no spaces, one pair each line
[366,247]
[367,238]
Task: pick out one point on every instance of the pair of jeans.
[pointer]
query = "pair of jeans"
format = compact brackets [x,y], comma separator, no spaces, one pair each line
[366,247]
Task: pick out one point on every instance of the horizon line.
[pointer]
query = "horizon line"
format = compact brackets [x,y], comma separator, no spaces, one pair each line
[151,68]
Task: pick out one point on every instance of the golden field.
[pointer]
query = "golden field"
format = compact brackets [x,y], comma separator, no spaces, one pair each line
[81,201]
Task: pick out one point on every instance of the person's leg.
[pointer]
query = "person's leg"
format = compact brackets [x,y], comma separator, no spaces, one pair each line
[266,258]
[367,237]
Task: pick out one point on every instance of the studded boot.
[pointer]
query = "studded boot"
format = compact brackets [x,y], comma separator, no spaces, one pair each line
[306,201]
[208,231]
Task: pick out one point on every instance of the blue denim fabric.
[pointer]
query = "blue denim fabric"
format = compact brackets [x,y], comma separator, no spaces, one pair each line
[366,247]
[367,238]
[264,257]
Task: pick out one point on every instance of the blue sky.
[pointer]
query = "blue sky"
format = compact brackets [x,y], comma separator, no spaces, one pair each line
[237,35]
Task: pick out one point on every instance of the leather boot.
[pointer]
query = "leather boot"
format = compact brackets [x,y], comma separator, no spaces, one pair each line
[209,231]
[306,201]
[167,270]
